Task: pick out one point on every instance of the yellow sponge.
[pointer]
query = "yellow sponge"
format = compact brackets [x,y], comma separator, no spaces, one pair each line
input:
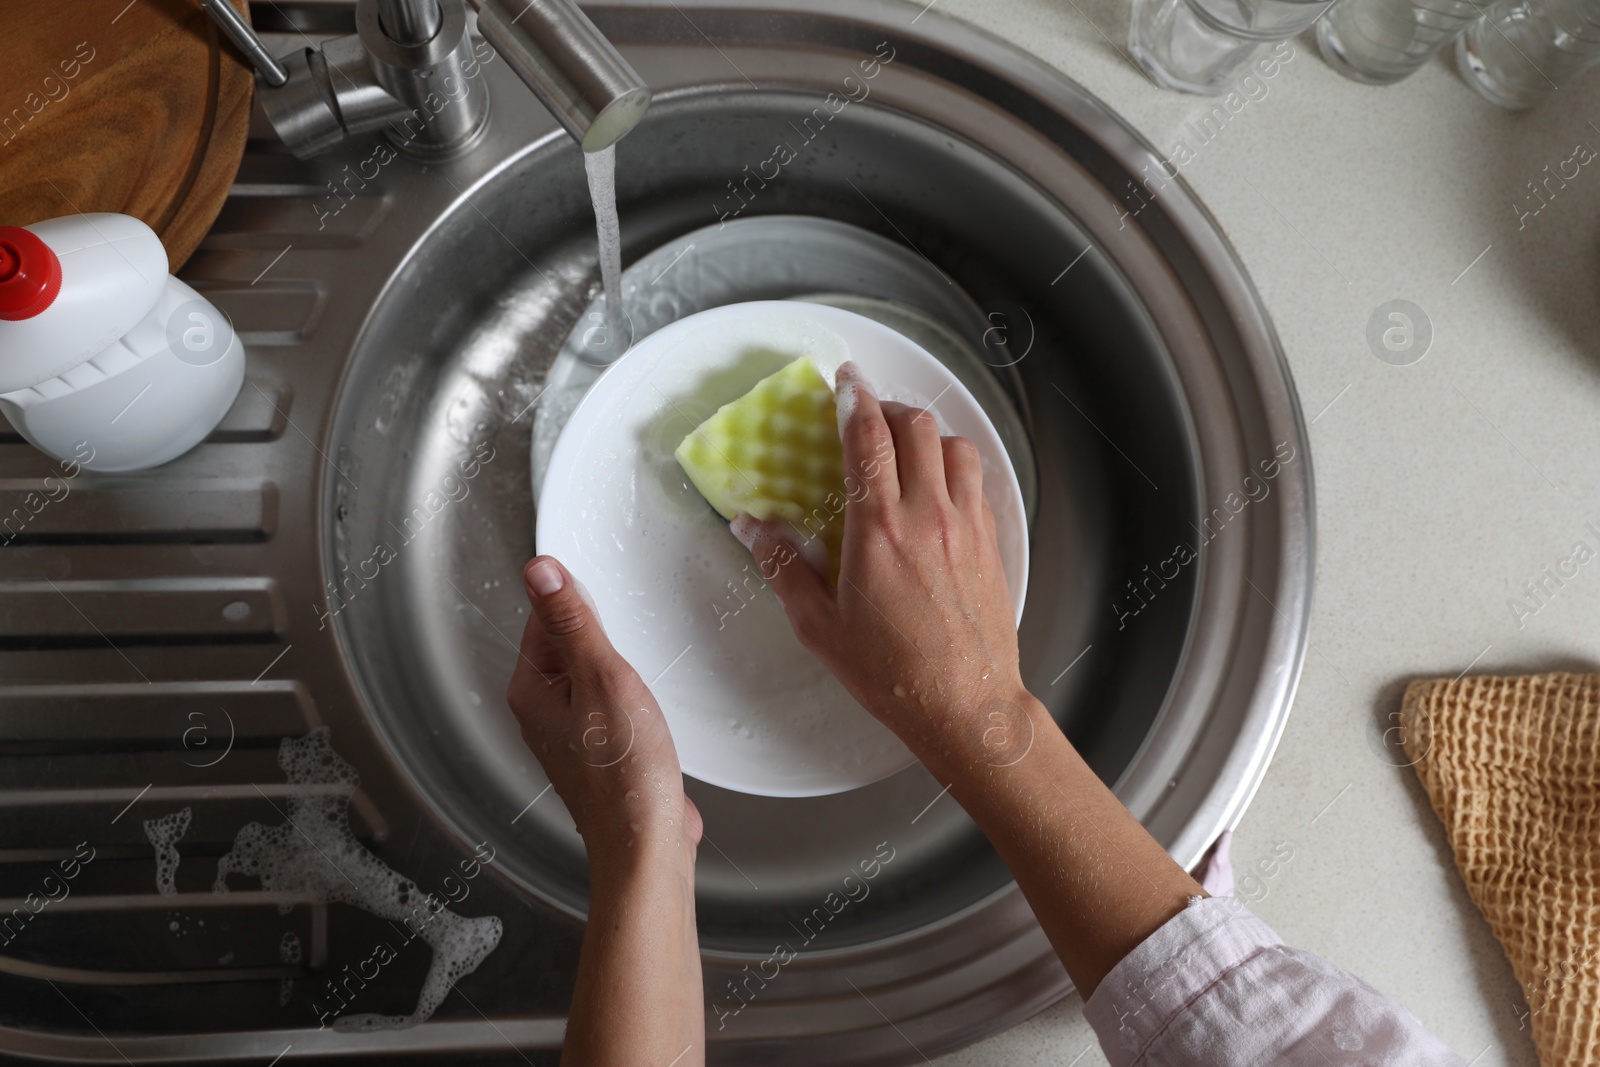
[775,453]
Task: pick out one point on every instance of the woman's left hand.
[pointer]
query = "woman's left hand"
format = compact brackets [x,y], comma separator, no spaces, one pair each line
[594,725]
[600,736]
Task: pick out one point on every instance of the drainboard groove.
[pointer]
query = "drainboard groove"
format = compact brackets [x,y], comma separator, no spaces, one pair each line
[92,612]
[80,976]
[203,717]
[127,510]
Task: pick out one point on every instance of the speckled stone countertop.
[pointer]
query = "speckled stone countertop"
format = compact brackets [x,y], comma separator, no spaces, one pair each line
[1442,486]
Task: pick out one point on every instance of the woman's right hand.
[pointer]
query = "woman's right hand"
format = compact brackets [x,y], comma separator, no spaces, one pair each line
[921,628]
[921,631]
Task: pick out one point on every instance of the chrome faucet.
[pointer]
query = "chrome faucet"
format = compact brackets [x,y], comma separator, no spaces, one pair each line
[411,68]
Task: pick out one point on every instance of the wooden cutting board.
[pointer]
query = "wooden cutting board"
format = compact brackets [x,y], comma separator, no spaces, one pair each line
[107,105]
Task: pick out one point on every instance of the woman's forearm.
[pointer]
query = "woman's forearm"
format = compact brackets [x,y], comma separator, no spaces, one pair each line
[1098,883]
[638,997]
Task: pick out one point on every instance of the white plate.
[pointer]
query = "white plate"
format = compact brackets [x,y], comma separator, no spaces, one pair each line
[750,709]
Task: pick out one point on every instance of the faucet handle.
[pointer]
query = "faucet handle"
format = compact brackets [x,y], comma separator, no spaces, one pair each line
[569,64]
[239,31]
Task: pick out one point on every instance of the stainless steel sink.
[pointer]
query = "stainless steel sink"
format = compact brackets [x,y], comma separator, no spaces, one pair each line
[400,320]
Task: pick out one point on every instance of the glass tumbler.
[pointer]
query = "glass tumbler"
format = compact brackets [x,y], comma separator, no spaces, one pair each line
[1199,46]
[1382,41]
[1521,51]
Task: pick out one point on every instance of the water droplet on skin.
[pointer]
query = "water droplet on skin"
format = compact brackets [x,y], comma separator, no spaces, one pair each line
[899,690]
[632,794]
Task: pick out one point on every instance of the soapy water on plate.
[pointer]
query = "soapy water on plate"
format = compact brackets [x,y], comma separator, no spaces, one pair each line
[314,854]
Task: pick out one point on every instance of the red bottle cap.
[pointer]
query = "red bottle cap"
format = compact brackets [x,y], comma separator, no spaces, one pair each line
[30,274]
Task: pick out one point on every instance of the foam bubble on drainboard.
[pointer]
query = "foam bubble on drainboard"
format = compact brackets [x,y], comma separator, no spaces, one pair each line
[164,834]
[288,953]
[314,854]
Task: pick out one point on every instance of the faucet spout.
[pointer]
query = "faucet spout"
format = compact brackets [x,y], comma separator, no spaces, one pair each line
[385,74]
[569,64]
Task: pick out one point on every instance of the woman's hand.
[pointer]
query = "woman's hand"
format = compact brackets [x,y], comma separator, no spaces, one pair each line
[593,724]
[921,629]
[921,632]
[601,739]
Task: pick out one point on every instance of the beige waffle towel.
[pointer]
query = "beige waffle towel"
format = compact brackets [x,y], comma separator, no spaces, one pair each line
[1512,766]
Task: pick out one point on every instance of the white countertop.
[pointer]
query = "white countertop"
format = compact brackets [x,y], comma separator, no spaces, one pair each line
[1442,486]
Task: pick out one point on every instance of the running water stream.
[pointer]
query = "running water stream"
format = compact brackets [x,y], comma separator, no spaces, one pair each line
[601,168]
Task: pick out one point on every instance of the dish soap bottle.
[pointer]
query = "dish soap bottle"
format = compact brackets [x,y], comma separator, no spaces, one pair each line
[106,359]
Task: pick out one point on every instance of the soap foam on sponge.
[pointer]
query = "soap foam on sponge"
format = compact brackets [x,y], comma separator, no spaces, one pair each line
[774,453]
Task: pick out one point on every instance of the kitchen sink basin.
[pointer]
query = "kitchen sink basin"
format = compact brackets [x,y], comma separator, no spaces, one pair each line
[344,552]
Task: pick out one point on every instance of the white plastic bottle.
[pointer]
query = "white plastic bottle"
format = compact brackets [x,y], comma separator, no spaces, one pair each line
[102,352]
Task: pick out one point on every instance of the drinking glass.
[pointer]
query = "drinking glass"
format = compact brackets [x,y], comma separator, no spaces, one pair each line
[1521,51]
[1199,46]
[1382,41]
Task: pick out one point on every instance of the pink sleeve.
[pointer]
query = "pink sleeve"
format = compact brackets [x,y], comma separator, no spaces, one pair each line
[1215,985]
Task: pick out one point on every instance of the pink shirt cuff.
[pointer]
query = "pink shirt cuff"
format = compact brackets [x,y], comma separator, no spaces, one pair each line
[1156,982]
[1214,985]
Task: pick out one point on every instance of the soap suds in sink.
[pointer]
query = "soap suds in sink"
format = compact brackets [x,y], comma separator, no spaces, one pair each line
[314,854]
[164,834]
[289,954]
